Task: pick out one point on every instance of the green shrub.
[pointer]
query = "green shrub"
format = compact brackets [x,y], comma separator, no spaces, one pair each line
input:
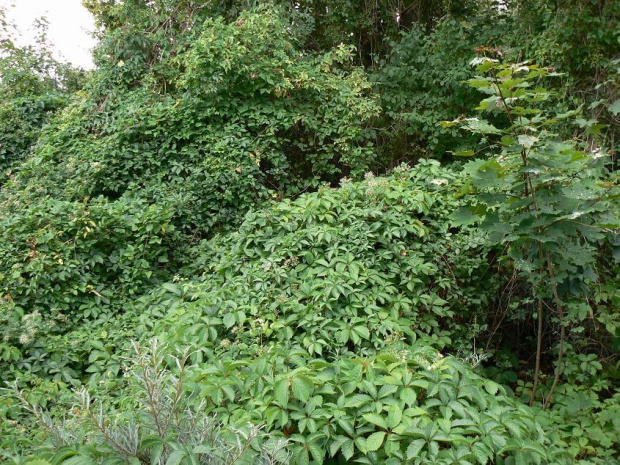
[317,319]
[67,264]
[340,271]
[423,82]
[33,87]
[404,405]
[242,113]
[155,424]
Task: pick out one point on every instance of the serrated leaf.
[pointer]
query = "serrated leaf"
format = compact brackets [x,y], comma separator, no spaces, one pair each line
[302,388]
[414,449]
[334,447]
[357,400]
[408,396]
[362,331]
[360,443]
[347,449]
[527,141]
[229,320]
[481,126]
[281,392]
[374,441]
[318,454]
[463,216]
[395,415]
[172,288]
[375,419]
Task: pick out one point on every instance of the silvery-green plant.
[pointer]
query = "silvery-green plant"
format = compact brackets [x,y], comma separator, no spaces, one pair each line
[164,427]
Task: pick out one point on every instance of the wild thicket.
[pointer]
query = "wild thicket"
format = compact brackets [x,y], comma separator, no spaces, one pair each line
[313,232]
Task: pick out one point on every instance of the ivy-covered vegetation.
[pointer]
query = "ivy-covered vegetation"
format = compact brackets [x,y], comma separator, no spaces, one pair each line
[314,232]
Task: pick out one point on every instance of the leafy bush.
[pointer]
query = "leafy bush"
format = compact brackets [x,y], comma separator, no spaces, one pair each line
[393,407]
[242,112]
[423,82]
[33,87]
[340,271]
[307,322]
[158,425]
[66,264]
[551,204]
[581,39]
[164,200]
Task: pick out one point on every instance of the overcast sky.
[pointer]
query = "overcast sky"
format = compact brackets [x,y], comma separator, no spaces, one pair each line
[70,25]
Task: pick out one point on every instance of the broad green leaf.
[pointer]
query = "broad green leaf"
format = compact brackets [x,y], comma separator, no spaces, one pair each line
[302,388]
[376,419]
[395,415]
[375,440]
[614,108]
[414,449]
[281,392]
[176,457]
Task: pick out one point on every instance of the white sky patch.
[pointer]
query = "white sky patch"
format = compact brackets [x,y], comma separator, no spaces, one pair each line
[70,27]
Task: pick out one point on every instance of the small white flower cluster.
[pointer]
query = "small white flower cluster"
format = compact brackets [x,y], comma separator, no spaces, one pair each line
[30,327]
[436,363]
[403,355]
[402,169]
[290,263]
[474,359]
[372,182]
[392,338]
[425,362]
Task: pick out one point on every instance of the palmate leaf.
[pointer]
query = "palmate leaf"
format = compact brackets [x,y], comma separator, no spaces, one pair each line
[527,141]
[491,103]
[336,444]
[408,396]
[464,216]
[317,451]
[301,456]
[483,453]
[394,417]
[357,400]
[348,449]
[480,126]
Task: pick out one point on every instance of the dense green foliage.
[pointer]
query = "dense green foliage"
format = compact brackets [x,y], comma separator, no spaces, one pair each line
[198,265]
[33,87]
